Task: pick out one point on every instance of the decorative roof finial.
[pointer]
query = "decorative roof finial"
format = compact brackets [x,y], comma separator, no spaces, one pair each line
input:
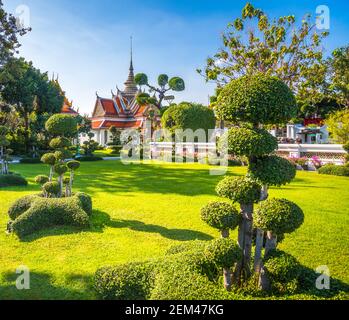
[131,66]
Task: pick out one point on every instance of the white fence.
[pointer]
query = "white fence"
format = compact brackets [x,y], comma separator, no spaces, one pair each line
[327,153]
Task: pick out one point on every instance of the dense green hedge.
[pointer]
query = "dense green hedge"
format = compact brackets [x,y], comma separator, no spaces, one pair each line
[132,281]
[256,99]
[30,161]
[242,190]
[283,271]
[273,170]
[334,170]
[89,159]
[279,216]
[12,180]
[31,214]
[249,142]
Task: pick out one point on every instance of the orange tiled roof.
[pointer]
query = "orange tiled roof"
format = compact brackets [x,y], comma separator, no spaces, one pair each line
[118,124]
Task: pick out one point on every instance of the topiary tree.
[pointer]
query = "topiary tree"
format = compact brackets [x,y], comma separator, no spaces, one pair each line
[254,102]
[60,169]
[90,146]
[52,189]
[224,253]
[222,216]
[164,86]
[49,159]
[41,180]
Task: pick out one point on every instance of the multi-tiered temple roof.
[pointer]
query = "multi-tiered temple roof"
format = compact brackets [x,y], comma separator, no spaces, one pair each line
[122,109]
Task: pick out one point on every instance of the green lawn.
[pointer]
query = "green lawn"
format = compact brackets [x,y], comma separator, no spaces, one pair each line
[141,210]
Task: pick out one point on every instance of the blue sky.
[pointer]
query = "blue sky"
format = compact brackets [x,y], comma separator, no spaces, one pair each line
[87,41]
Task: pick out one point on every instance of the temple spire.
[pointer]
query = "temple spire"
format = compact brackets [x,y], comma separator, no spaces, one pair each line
[130,85]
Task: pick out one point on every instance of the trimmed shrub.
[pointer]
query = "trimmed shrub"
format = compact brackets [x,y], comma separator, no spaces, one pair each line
[73,165]
[44,213]
[256,99]
[282,271]
[20,206]
[49,158]
[63,154]
[221,215]
[273,170]
[278,216]
[132,281]
[60,143]
[30,161]
[89,159]
[249,142]
[86,202]
[42,179]
[242,190]
[12,180]
[61,125]
[60,168]
[223,252]
[198,246]
[52,188]
[334,170]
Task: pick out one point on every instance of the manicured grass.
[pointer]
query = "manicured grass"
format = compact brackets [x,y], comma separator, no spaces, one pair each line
[141,210]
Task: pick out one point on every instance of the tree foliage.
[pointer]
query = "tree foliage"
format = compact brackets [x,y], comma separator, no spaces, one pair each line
[338,126]
[282,47]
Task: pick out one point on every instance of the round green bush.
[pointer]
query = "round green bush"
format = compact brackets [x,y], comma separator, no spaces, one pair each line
[86,202]
[52,188]
[49,158]
[60,143]
[48,212]
[188,116]
[223,252]
[257,99]
[61,125]
[63,154]
[89,159]
[243,190]
[332,169]
[249,142]
[12,180]
[66,180]
[272,170]
[177,84]
[163,80]
[42,179]
[279,216]
[221,215]
[60,168]
[20,206]
[141,79]
[73,165]
[132,281]
[282,270]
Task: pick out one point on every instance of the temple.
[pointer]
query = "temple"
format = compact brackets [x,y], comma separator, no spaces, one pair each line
[121,110]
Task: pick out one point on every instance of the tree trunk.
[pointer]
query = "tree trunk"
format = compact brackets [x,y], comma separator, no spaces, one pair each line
[51,173]
[245,242]
[264,193]
[60,180]
[264,282]
[225,233]
[71,181]
[259,248]
[270,243]
[227,279]
[26,132]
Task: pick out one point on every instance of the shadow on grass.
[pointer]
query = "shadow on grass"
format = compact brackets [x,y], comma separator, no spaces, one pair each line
[100,220]
[43,287]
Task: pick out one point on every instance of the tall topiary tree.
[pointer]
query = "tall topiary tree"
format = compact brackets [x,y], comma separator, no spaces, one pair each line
[254,102]
[62,128]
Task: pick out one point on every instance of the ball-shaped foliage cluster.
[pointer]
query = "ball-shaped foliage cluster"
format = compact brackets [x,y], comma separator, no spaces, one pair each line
[223,252]
[279,216]
[243,190]
[272,170]
[73,165]
[61,125]
[141,79]
[52,188]
[60,168]
[163,80]
[256,99]
[177,84]
[41,179]
[249,142]
[59,143]
[221,215]
[281,269]
[49,158]
[63,154]
[188,116]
